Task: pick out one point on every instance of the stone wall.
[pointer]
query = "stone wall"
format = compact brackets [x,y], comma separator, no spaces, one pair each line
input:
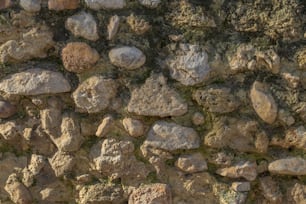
[152,101]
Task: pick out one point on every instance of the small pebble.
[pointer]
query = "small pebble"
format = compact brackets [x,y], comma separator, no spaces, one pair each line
[133,127]
[198,118]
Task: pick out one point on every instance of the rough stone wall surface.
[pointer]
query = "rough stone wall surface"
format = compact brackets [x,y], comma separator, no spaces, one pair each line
[152,101]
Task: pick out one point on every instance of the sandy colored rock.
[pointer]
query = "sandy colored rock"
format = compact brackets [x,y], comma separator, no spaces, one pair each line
[101,193]
[51,119]
[191,163]
[113,26]
[285,117]
[137,24]
[127,57]
[18,192]
[55,192]
[94,94]
[288,166]
[268,59]
[150,194]
[116,159]
[78,57]
[105,4]
[156,98]
[30,5]
[104,126]
[301,58]
[150,3]
[35,82]
[134,127]
[10,131]
[62,163]
[270,189]
[7,109]
[36,164]
[33,44]
[83,25]
[198,118]
[217,99]
[189,65]
[294,137]
[59,5]
[245,170]
[171,137]
[297,193]
[263,102]
[243,135]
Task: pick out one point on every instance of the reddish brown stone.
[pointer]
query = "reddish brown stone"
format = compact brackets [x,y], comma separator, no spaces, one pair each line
[5,4]
[63,4]
[78,57]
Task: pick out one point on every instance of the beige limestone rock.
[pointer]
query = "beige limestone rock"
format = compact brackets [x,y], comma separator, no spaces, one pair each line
[297,193]
[30,5]
[301,58]
[150,194]
[56,192]
[191,163]
[288,166]
[245,170]
[126,57]
[33,44]
[105,4]
[62,163]
[113,26]
[94,94]
[156,98]
[268,59]
[104,126]
[198,118]
[294,137]
[59,5]
[10,131]
[18,192]
[79,57]
[35,82]
[263,102]
[83,25]
[171,137]
[134,127]
[138,25]
[241,186]
[5,4]
[150,3]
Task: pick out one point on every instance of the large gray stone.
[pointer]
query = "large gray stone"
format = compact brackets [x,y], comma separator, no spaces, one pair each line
[35,82]
[156,98]
[288,166]
[105,4]
[171,136]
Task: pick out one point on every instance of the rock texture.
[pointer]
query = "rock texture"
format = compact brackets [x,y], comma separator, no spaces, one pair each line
[6,109]
[78,57]
[156,98]
[30,5]
[59,5]
[288,166]
[105,4]
[34,82]
[94,94]
[127,57]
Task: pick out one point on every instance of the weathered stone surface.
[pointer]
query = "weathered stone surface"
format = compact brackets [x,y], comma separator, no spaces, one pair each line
[294,137]
[10,131]
[189,65]
[171,136]
[59,5]
[198,118]
[270,189]
[79,57]
[17,191]
[62,163]
[138,25]
[263,102]
[301,58]
[34,82]
[245,170]
[191,163]
[134,127]
[105,4]
[94,94]
[127,57]
[285,117]
[104,126]
[288,166]
[297,193]
[113,26]
[33,44]
[101,193]
[242,135]
[37,162]
[268,59]
[150,3]
[156,98]
[56,192]
[116,159]
[241,186]
[83,25]
[6,109]
[30,5]
[150,194]
[217,99]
